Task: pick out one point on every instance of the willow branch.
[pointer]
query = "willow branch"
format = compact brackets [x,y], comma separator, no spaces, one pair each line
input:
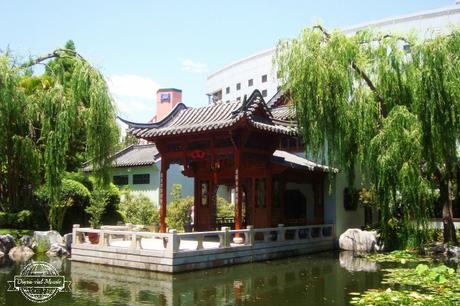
[362,74]
[55,54]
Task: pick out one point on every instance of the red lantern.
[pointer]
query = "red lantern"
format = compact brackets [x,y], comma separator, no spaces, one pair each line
[198,154]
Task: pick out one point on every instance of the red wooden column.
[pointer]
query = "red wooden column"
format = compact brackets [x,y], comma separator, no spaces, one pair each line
[238,190]
[163,193]
[196,203]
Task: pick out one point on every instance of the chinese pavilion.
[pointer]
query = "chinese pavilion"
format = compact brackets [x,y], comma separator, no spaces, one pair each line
[246,145]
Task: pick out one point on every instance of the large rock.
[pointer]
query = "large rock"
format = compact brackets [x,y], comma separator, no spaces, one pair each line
[354,239]
[437,248]
[6,243]
[45,239]
[68,241]
[27,241]
[57,250]
[21,253]
[453,251]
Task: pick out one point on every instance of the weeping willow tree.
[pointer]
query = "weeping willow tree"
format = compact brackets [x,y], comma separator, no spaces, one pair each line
[390,103]
[40,117]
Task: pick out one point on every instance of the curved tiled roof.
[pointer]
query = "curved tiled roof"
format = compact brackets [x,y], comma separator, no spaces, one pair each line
[284,113]
[295,161]
[184,120]
[132,156]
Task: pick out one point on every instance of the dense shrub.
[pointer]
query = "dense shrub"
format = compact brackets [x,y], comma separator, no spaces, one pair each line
[74,197]
[179,209]
[138,209]
[74,191]
[19,220]
[97,207]
[82,178]
[111,214]
[224,208]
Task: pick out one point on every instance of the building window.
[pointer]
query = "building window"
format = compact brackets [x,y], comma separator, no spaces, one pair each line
[264,93]
[238,86]
[227,90]
[250,82]
[228,101]
[238,99]
[264,78]
[120,180]
[139,179]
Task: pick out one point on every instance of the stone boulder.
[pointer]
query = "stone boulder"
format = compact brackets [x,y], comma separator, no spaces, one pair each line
[21,253]
[453,251]
[27,241]
[6,243]
[45,239]
[438,248]
[354,239]
[68,241]
[57,250]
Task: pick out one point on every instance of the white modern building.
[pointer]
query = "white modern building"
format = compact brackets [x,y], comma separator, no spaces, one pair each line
[241,77]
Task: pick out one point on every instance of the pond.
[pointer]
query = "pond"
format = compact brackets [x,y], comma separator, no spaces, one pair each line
[318,279]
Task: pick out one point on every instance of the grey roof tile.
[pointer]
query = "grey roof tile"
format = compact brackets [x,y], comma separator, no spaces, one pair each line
[132,156]
[184,120]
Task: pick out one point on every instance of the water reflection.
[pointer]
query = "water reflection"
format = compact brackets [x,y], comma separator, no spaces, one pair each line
[353,263]
[308,280]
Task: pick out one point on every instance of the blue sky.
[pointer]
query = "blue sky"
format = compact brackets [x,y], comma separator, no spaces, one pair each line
[143,45]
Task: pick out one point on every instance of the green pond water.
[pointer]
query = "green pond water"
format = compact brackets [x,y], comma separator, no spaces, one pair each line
[318,279]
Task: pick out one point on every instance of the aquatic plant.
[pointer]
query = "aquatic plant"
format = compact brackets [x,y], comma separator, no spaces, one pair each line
[423,285]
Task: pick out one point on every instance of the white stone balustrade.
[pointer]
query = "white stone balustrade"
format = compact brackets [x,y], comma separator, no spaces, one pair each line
[196,241]
[173,251]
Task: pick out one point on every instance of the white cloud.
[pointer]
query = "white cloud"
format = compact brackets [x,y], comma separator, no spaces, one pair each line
[134,96]
[130,85]
[192,66]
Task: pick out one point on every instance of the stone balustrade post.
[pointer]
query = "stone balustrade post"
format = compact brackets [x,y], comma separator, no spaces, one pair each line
[250,235]
[281,233]
[102,238]
[226,237]
[133,241]
[173,241]
[75,237]
[321,232]
[296,234]
[199,242]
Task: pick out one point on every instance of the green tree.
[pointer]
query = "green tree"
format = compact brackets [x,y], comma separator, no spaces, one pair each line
[97,207]
[49,123]
[179,209]
[138,209]
[388,102]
